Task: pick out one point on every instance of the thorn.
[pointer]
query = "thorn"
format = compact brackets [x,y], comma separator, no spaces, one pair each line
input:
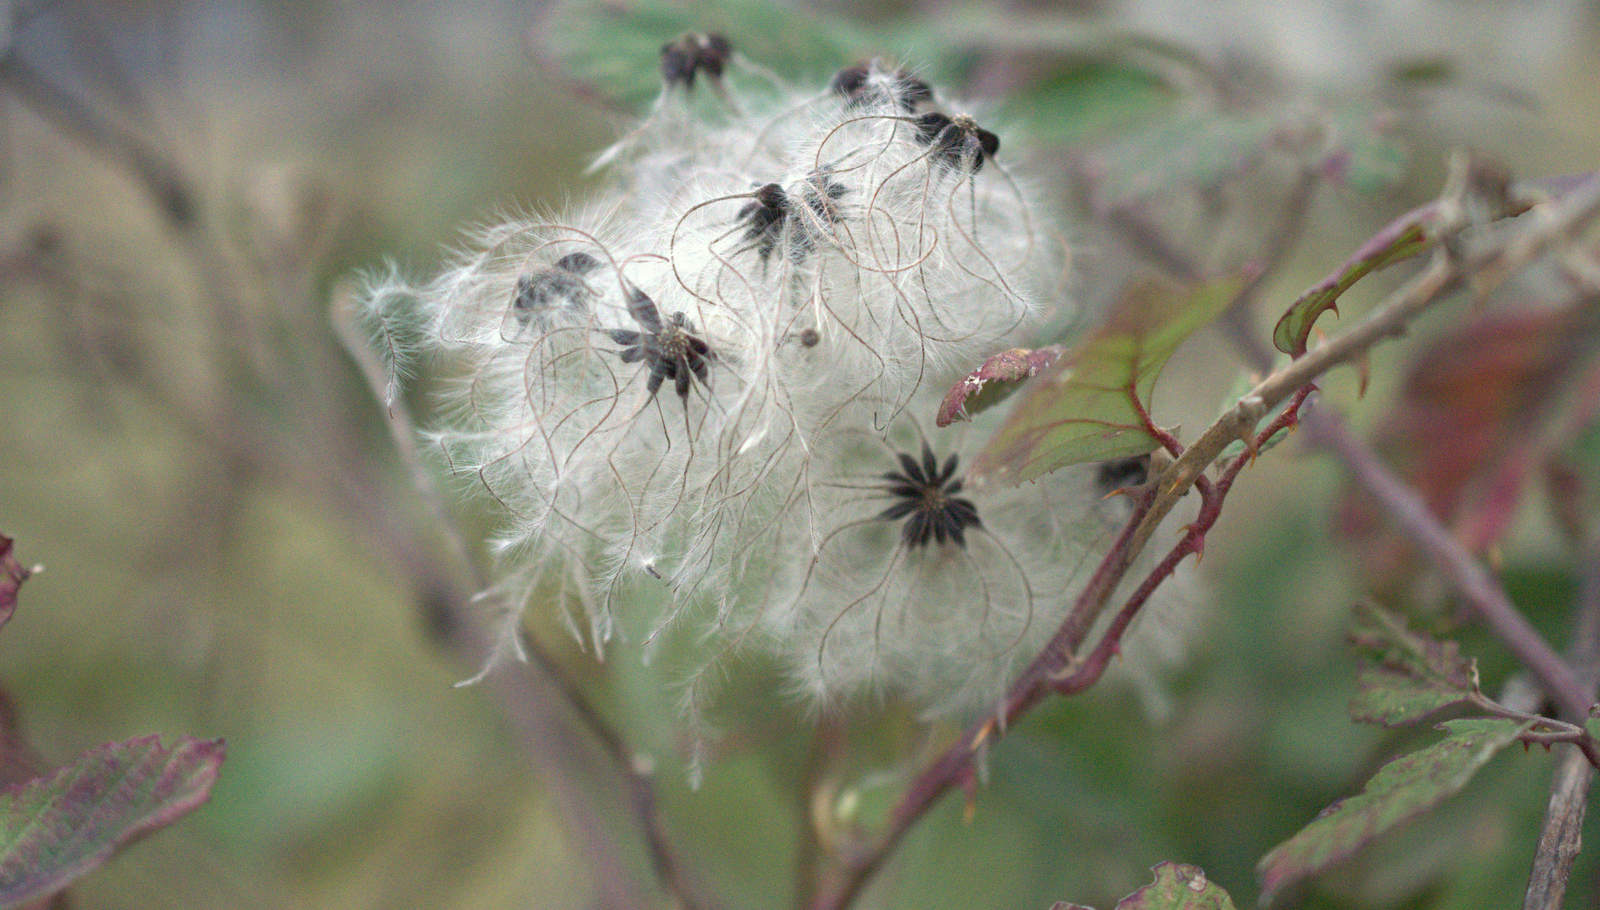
[1363,374]
[969,807]
[983,734]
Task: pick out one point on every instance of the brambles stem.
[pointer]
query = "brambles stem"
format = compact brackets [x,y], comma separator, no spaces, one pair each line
[1059,669]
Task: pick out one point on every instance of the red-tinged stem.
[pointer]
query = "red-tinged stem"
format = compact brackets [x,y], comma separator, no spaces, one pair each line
[1054,670]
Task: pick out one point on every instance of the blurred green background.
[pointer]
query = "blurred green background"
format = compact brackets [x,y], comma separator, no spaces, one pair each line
[233,548]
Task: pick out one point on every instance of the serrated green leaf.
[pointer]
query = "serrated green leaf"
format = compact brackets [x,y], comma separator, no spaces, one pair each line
[56,828]
[1086,406]
[1403,789]
[1178,886]
[1406,650]
[1394,698]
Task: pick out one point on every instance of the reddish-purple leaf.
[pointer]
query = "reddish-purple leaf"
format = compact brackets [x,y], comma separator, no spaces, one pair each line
[994,380]
[12,575]
[1090,404]
[1403,789]
[1479,413]
[56,828]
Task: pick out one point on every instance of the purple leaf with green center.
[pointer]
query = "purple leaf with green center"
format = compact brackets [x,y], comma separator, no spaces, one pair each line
[1090,404]
[1403,789]
[56,828]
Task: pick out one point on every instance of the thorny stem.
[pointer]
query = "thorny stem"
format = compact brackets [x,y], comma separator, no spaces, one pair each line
[1056,669]
[641,789]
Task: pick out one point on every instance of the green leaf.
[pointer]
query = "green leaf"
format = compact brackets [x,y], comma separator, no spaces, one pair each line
[1404,649]
[1087,406]
[615,47]
[1403,789]
[56,828]
[1394,698]
[1416,676]
[1400,239]
[1091,97]
[1177,886]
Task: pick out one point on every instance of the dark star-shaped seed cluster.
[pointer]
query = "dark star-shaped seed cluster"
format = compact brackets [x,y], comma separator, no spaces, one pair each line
[765,216]
[865,82]
[956,140]
[691,54]
[560,285]
[925,495]
[670,348]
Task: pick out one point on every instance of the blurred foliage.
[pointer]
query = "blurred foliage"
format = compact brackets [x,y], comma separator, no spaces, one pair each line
[194,587]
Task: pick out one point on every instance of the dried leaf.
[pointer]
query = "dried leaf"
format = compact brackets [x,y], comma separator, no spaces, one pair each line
[56,828]
[1087,406]
[1403,789]
[993,381]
